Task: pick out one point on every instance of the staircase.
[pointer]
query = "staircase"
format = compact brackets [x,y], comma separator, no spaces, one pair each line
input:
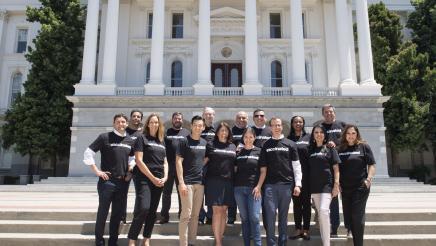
[63,210]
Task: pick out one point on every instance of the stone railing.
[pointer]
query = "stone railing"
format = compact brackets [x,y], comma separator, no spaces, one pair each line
[179,91]
[130,91]
[227,91]
[276,91]
[324,92]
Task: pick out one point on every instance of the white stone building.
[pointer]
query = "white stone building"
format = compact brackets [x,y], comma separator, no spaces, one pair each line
[286,56]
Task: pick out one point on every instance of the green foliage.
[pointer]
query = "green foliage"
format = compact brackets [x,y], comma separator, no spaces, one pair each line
[386,38]
[419,173]
[38,122]
[423,24]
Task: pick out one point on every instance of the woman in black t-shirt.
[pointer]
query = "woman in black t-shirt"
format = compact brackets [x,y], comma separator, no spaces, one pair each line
[302,206]
[149,176]
[248,183]
[221,155]
[357,170]
[323,183]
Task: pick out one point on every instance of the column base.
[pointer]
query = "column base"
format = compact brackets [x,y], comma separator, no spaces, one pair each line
[350,89]
[252,89]
[154,89]
[95,90]
[301,89]
[370,88]
[203,89]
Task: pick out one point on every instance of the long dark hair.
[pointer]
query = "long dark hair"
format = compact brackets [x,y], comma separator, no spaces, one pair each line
[160,131]
[229,137]
[292,133]
[312,143]
[344,143]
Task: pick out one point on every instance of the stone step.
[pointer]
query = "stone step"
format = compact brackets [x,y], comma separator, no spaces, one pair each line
[13,239]
[87,227]
[68,215]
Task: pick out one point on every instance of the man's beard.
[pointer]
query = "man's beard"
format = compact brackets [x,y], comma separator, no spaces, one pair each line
[177,125]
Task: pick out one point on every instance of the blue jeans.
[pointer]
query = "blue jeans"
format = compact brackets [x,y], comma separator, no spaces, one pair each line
[249,210]
[277,197]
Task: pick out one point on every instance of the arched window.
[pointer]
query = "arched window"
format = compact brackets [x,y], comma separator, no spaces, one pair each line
[147,73]
[276,74]
[218,77]
[234,77]
[17,81]
[177,74]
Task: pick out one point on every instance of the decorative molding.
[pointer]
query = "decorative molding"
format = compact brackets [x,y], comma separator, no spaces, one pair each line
[3,15]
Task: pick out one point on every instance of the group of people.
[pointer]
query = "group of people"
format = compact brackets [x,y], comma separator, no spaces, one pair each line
[255,169]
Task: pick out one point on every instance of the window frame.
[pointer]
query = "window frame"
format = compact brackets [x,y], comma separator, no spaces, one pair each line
[274,80]
[271,26]
[174,27]
[17,47]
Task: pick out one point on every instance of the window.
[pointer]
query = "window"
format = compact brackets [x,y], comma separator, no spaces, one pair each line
[150,25]
[21,40]
[177,31]
[147,73]
[304,26]
[176,74]
[276,74]
[275,25]
[17,81]
[234,77]
[218,77]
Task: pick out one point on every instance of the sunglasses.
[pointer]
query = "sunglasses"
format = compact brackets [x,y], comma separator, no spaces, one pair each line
[259,116]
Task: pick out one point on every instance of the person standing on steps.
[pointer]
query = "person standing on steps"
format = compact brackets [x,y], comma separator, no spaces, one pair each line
[283,179]
[134,130]
[208,134]
[149,177]
[334,129]
[115,148]
[323,177]
[302,206]
[357,169]
[172,138]
[190,159]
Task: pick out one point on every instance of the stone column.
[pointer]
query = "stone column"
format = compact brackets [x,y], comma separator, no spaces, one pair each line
[347,85]
[203,85]
[90,46]
[251,86]
[108,81]
[3,18]
[365,52]
[155,86]
[299,85]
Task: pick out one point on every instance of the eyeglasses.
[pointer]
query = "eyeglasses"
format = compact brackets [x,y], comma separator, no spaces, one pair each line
[259,116]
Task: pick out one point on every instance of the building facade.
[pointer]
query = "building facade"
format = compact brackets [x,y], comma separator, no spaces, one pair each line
[287,56]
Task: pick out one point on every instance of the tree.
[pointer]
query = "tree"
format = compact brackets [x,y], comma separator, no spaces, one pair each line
[423,24]
[386,38]
[38,122]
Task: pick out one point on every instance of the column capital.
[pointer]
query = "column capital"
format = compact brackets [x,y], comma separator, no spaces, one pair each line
[3,14]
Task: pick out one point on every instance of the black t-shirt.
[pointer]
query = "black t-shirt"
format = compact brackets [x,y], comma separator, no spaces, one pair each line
[237,135]
[133,133]
[334,131]
[321,161]
[221,159]
[277,155]
[302,143]
[208,133]
[353,167]
[115,151]
[262,135]
[172,138]
[154,154]
[248,169]
[193,153]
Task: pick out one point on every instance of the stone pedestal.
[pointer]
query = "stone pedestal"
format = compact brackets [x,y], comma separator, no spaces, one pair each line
[83,89]
[301,89]
[154,89]
[203,89]
[252,89]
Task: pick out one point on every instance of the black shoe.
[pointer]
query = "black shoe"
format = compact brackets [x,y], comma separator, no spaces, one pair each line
[230,222]
[334,235]
[124,220]
[162,221]
[208,221]
[200,222]
[295,237]
[306,236]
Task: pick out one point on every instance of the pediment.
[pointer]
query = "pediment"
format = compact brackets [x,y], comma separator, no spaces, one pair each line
[227,12]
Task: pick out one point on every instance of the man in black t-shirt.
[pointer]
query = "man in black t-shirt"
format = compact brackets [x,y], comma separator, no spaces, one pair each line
[334,130]
[190,155]
[134,130]
[115,148]
[241,123]
[263,132]
[172,138]
[208,134]
[283,179]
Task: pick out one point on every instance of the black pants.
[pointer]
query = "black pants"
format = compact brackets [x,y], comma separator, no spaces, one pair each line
[109,191]
[167,192]
[354,205]
[126,194]
[146,203]
[302,210]
[334,215]
[231,213]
